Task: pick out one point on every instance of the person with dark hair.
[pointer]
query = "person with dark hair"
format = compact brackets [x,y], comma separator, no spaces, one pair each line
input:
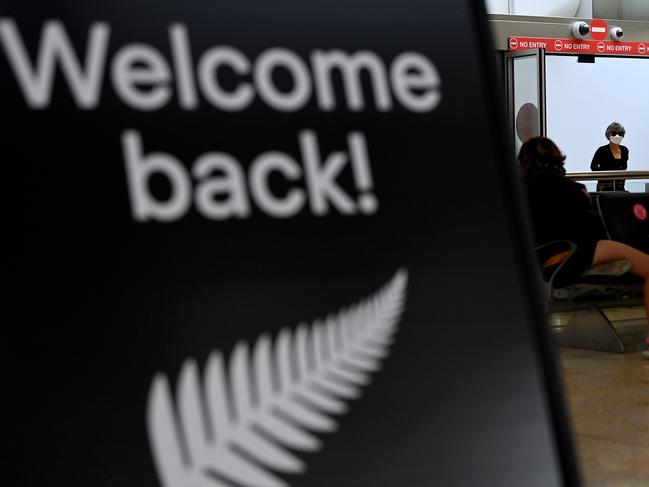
[561,210]
[611,157]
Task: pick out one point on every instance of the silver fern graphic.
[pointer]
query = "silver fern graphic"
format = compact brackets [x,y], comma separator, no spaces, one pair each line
[240,425]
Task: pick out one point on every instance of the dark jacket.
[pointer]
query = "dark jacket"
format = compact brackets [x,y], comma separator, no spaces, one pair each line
[562,210]
[603,160]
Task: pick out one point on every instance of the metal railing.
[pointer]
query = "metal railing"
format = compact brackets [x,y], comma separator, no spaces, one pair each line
[607,175]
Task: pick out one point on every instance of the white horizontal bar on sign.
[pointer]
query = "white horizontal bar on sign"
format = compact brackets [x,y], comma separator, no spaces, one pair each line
[598,29]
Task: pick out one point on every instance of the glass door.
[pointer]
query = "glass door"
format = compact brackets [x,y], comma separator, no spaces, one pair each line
[526,95]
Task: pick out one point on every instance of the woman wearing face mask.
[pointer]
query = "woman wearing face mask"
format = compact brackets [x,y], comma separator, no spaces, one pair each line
[611,157]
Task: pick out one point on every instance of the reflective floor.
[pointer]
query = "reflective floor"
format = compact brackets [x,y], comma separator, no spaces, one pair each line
[608,398]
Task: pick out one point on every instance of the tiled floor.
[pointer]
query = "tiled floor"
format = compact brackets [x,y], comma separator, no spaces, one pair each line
[608,398]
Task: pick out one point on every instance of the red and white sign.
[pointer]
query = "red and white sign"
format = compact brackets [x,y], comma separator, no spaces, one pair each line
[598,29]
[576,46]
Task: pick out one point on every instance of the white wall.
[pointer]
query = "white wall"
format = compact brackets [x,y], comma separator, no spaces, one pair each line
[583,98]
[497,6]
[551,8]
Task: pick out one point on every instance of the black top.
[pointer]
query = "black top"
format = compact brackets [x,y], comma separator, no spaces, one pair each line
[562,210]
[603,160]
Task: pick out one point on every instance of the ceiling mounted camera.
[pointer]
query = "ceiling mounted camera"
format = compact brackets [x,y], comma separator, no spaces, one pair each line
[580,29]
[616,33]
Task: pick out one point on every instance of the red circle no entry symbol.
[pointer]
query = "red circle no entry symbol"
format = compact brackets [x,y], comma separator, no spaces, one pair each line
[642,48]
[513,43]
[601,47]
[558,44]
[598,29]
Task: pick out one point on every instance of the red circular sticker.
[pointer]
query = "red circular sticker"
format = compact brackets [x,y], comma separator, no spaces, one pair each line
[640,211]
[598,29]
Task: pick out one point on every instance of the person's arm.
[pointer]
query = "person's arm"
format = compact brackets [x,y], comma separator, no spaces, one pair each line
[561,195]
[585,223]
[596,163]
[573,195]
[560,208]
[625,158]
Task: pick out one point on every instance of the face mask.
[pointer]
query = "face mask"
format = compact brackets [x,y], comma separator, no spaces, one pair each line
[616,139]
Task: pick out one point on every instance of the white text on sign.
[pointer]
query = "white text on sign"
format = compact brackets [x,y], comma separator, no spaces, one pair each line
[218,185]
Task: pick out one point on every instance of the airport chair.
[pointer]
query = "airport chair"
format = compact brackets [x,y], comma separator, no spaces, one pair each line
[625,217]
[606,285]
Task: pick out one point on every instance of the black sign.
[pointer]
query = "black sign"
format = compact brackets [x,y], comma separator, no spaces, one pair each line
[266,244]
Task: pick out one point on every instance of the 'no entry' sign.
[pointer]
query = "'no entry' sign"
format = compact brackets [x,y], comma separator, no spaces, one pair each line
[598,29]
[583,46]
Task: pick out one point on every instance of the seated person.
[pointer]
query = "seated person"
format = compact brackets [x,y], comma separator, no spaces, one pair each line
[561,210]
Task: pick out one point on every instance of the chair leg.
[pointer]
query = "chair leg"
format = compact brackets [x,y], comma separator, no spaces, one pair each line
[590,329]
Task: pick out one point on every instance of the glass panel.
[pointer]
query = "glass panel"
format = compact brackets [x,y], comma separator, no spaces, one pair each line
[584,98]
[526,100]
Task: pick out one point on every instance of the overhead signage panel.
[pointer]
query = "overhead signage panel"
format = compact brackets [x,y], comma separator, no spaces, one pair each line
[577,46]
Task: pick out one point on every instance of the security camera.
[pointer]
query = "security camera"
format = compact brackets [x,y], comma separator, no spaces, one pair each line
[580,29]
[616,33]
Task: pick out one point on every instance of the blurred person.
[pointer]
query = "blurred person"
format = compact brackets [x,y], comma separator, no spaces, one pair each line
[561,210]
[611,157]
